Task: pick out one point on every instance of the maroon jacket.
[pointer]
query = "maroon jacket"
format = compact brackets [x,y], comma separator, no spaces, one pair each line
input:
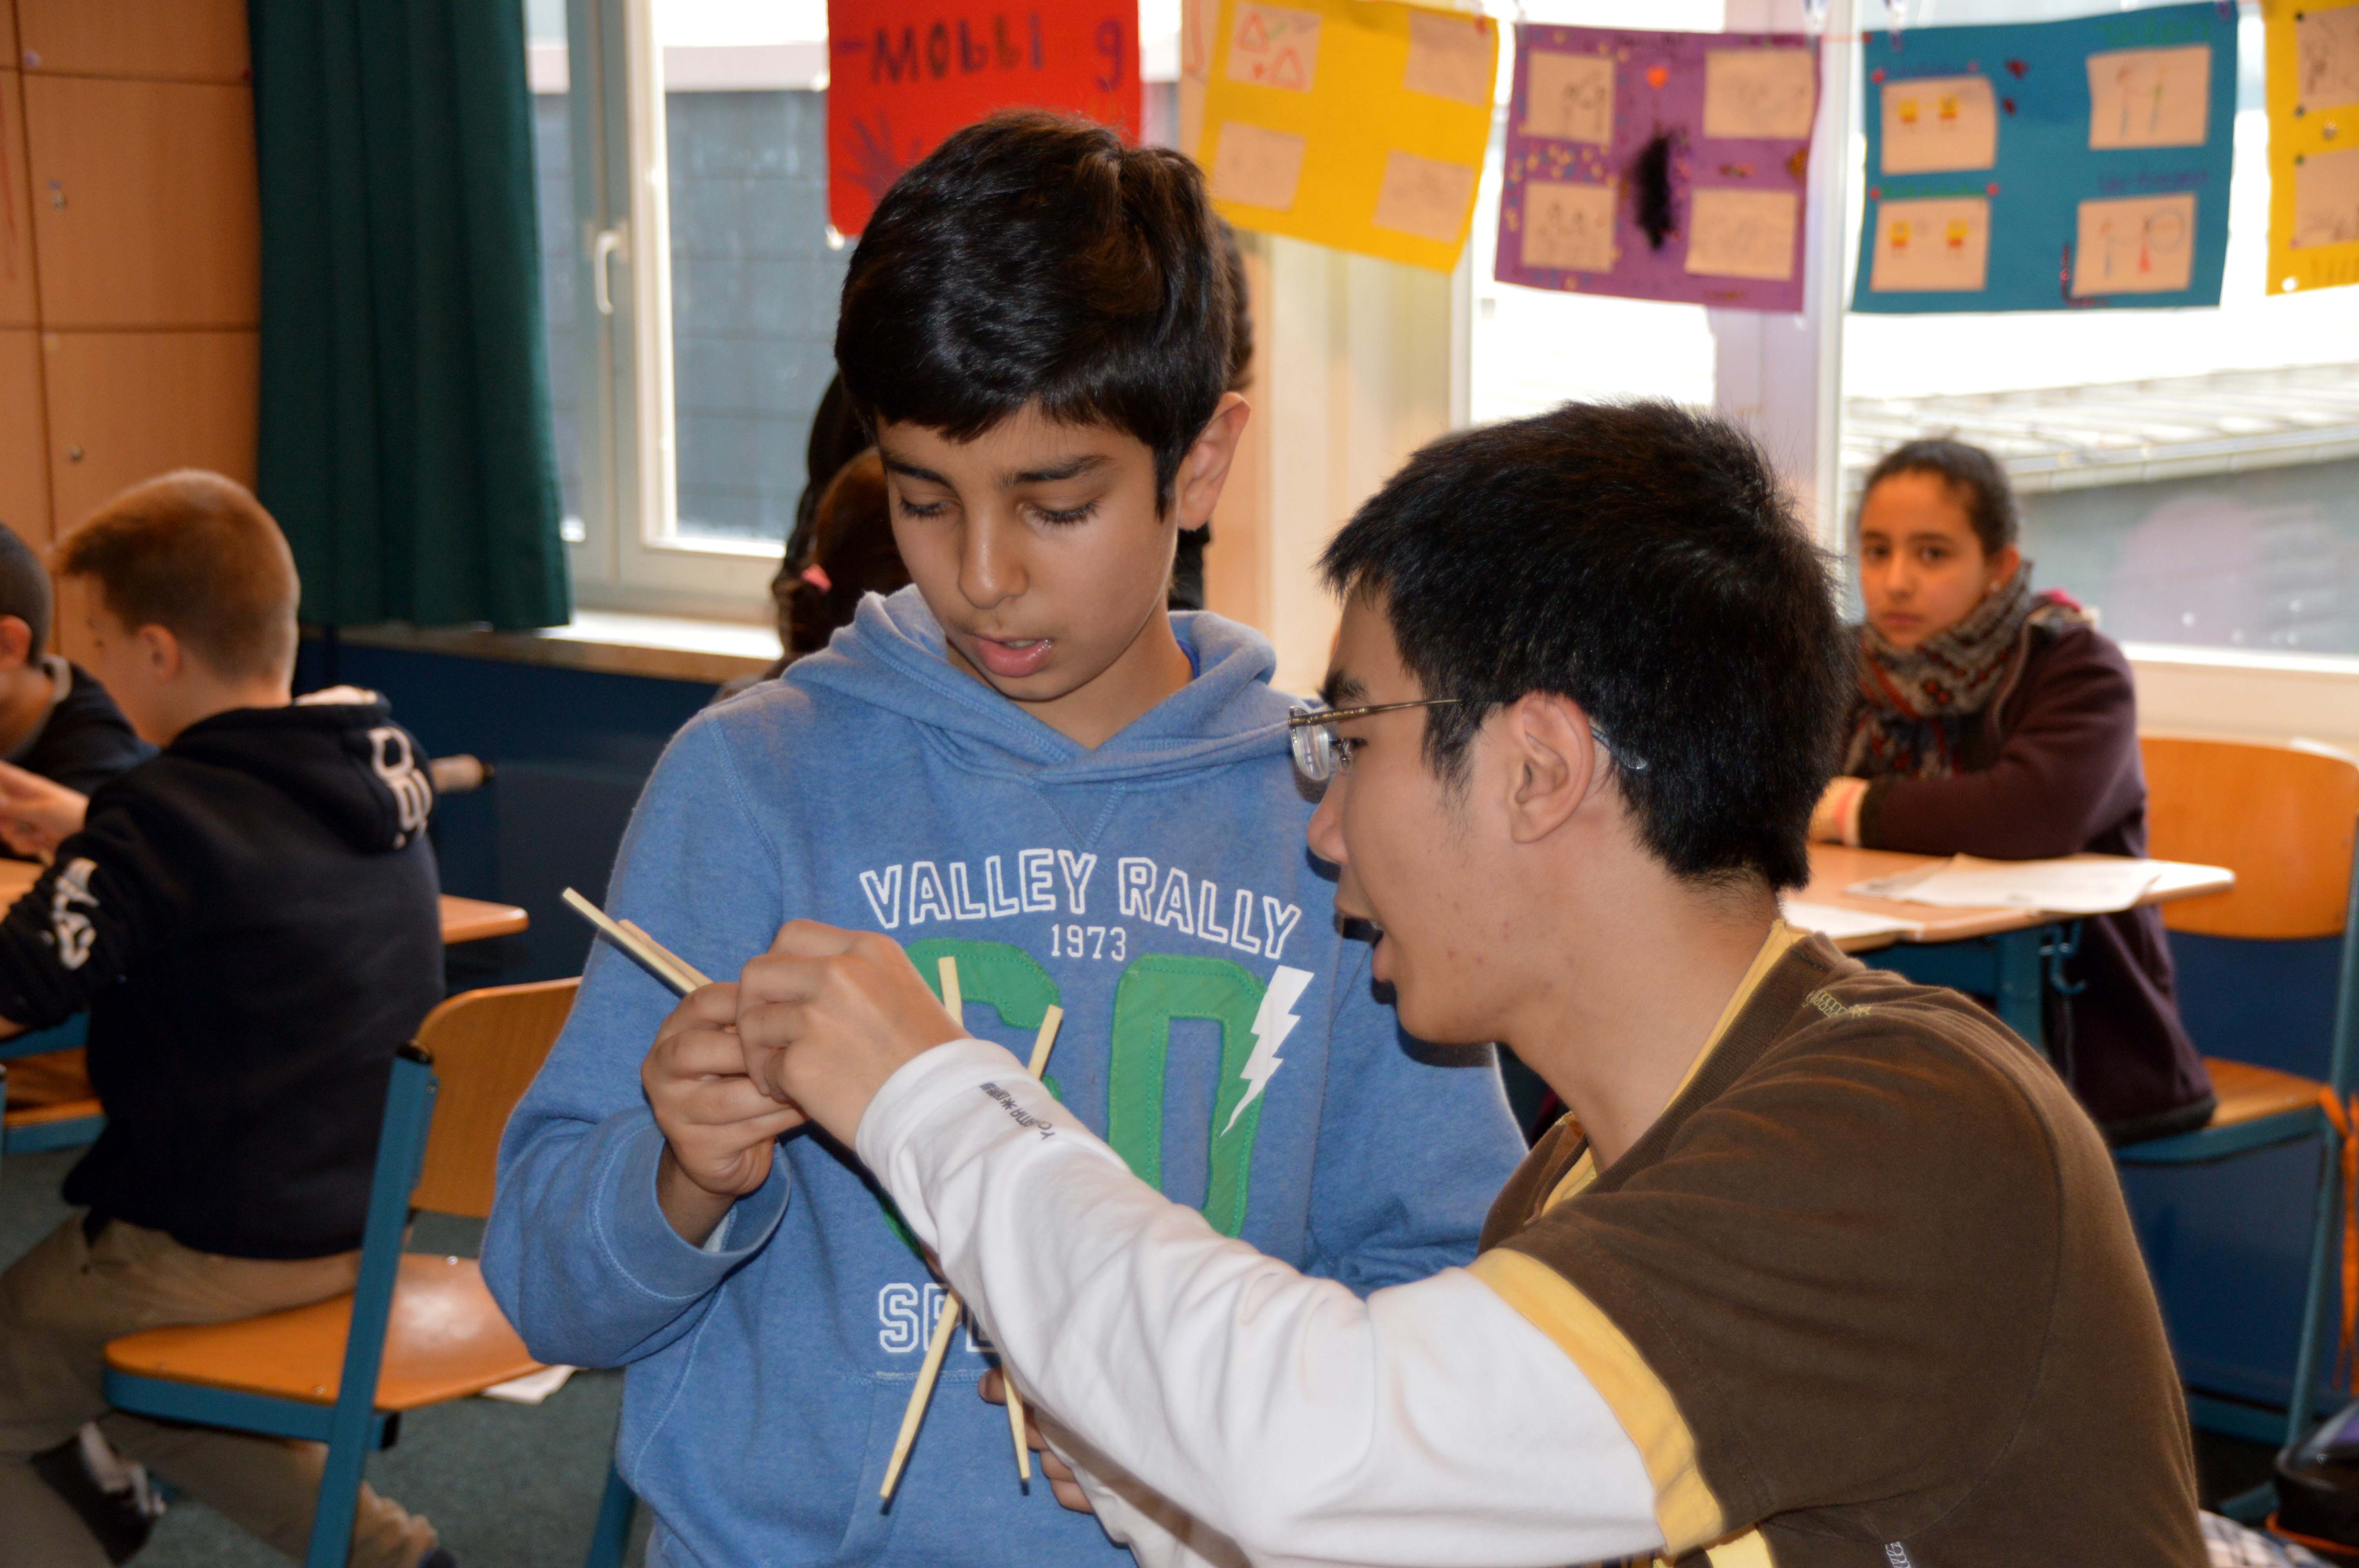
[2051,769]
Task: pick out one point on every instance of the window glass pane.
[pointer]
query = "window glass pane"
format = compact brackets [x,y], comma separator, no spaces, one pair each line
[544,66]
[2192,474]
[1535,348]
[754,274]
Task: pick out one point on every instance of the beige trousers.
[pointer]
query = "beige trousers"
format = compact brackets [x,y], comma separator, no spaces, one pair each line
[60,1304]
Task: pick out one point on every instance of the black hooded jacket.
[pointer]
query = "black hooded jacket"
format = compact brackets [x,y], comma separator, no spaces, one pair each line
[251,918]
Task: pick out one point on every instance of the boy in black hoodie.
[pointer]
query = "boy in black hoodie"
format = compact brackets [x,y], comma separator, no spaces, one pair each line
[250,919]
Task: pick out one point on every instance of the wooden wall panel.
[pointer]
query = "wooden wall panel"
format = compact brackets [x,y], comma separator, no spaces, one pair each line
[24,446]
[123,406]
[160,224]
[19,300]
[158,40]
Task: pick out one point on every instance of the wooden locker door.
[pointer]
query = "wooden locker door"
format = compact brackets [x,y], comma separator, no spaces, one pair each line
[125,407]
[24,446]
[145,210]
[20,299]
[157,40]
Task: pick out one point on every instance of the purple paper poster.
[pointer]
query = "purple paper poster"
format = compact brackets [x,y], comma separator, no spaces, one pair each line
[1660,166]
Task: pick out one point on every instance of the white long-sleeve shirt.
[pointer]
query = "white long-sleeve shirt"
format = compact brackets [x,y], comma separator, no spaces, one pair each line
[1431,1424]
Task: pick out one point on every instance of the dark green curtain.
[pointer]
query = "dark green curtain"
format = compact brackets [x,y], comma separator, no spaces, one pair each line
[406,438]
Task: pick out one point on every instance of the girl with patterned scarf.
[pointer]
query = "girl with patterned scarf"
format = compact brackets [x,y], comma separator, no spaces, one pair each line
[1990,719]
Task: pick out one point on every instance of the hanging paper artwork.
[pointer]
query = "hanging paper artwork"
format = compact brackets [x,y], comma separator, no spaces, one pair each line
[1660,166]
[1355,123]
[2051,165]
[2314,97]
[902,77]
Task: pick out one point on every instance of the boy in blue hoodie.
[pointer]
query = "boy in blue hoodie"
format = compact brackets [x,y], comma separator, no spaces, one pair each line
[1025,764]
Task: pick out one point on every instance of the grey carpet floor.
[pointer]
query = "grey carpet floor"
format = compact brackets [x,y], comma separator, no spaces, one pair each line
[507,1486]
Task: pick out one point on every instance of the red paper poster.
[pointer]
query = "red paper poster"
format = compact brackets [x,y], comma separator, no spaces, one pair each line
[904,74]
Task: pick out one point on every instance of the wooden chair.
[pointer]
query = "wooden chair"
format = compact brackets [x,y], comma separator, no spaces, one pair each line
[2286,820]
[45,1087]
[417,1329]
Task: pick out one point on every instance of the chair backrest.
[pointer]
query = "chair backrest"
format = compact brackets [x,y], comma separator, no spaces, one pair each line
[2284,818]
[487,1046]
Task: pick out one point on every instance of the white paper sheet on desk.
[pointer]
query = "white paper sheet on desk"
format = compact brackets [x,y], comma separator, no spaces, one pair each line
[1837,921]
[2094,886]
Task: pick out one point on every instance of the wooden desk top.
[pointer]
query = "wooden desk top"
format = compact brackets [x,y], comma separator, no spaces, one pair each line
[1834,866]
[463,919]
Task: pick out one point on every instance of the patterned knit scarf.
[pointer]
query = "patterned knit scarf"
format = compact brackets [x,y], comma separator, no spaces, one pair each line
[1914,704]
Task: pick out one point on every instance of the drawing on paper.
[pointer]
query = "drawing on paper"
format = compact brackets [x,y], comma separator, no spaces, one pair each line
[2326,59]
[1424,197]
[1569,97]
[2150,97]
[1938,244]
[1938,123]
[1568,227]
[1450,56]
[1759,94]
[2134,244]
[1275,46]
[1743,233]
[2326,198]
[1256,167]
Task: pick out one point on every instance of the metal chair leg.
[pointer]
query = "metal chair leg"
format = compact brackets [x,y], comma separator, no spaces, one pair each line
[2299,1406]
[615,1512]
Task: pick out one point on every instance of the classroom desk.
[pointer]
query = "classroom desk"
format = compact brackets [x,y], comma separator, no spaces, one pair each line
[2008,954]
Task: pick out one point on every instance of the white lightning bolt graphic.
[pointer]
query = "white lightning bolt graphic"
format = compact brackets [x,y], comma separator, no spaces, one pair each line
[1271,1025]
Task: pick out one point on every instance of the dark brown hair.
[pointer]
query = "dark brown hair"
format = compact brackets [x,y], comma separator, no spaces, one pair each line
[194,553]
[1973,476]
[851,554]
[1034,260]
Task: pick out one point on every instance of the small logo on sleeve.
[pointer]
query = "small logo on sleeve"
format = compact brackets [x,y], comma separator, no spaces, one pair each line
[72,930]
[1017,1113]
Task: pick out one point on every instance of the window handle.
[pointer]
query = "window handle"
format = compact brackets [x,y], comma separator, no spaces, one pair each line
[609,244]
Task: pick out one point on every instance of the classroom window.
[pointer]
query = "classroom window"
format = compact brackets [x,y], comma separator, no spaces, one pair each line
[2188,473]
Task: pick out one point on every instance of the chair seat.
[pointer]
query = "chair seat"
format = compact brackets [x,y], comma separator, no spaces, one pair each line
[52,1078]
[446,1339]
[50,1115]
[2247,1093]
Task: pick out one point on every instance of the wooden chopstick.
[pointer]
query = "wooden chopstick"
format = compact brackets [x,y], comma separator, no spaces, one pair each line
[921,1392]
[1042,1044]
[671,971]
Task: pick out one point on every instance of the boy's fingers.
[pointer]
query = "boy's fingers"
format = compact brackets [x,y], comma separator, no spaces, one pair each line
[700,1052]
[733,1103]
[810,939]
[993,1388]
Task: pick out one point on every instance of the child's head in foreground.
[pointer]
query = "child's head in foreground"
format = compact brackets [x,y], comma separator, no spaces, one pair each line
[191,600]
[1937,536]
[1638,559]
[1036,326]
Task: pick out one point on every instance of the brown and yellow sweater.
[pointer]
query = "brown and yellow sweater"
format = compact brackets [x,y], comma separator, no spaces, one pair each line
[1865,1295]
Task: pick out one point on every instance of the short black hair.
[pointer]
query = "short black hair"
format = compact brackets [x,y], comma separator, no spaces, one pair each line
[1034,258]
[1641,560]
[24,591]
[1973,475]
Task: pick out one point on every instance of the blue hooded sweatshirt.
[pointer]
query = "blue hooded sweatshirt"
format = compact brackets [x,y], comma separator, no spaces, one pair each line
[1218,1032]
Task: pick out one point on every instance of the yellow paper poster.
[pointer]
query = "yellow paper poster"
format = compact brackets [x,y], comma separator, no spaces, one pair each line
[2313,55]
[1355,123]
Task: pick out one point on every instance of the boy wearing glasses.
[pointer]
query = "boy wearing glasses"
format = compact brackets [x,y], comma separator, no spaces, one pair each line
[1823,1269]
[1022,765]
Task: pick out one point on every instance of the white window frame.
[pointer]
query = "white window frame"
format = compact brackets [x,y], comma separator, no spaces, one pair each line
[629,555]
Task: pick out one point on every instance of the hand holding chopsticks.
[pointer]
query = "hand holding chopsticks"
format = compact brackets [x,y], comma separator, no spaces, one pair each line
[838,992]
